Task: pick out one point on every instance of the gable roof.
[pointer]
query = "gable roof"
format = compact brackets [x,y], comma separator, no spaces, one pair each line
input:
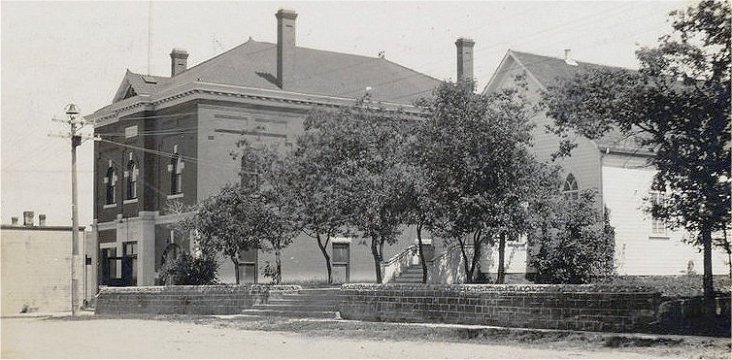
[140,85]
[254,64]
[549,71]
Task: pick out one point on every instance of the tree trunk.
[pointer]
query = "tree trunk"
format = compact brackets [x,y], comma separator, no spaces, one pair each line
[278,266]
[501,276]
[235,261]
[477,241]
[708,285]
[377,256]
[466,262]
[421,254]
[324,250]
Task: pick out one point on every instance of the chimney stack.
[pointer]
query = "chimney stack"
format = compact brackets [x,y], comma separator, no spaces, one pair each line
[568,57]
[178,61]
[41,219]
[14,221]
[285,46]
[464,58]
[28,218]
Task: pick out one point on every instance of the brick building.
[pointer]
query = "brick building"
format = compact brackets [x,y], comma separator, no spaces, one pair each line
[616,166]
[169,139]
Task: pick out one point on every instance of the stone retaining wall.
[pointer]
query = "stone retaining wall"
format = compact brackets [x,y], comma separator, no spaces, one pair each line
[201,300]
[567,307]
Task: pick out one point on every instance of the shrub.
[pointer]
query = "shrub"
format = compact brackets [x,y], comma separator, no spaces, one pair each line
[575,244]
[189,270]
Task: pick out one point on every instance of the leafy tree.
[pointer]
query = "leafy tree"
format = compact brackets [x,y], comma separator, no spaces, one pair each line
[222,223]
[270,215]
[678,104]
[418,200]
[475,154]
[359,144]
[313,183]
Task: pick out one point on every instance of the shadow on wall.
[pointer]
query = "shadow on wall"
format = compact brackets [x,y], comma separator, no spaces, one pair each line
[448,267]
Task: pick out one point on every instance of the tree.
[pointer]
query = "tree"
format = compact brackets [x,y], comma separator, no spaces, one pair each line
[359,144]
[222,223]
[313,183]
[271,215]
[678,104]
[474,151]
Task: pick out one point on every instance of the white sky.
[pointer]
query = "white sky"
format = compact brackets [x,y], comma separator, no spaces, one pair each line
[54,53]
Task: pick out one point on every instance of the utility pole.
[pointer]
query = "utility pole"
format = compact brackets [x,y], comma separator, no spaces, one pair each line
[72,111]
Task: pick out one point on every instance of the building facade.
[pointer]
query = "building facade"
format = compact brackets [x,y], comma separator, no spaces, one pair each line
[167,141]
[616,167]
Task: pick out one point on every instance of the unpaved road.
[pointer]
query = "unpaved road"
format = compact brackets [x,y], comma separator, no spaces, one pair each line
[141,338]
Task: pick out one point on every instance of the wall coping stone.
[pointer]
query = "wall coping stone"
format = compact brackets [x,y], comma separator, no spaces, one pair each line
[510,288]
[195,288]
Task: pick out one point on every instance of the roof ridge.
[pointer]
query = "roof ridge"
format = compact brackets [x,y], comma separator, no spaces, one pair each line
[218,57]
[561,59]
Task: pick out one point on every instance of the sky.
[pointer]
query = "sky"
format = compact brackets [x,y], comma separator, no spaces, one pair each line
[56,53]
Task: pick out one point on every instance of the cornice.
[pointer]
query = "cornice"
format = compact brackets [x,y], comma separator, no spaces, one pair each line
[211,91]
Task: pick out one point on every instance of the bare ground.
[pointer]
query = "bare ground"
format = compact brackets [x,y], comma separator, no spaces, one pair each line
[237,337]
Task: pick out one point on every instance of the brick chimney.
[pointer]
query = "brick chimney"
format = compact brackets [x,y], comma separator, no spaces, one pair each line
[285,47]
[178,61]
[14,220]
[28,218]
[464,58]
[41,219]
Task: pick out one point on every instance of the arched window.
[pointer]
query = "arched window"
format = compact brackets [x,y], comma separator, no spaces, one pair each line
[570,189]
[132,173]
[111,181]
[176,175]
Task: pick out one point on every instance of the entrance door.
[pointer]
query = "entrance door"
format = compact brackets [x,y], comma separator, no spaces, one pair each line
[341,262]
[248,266]
[129,265]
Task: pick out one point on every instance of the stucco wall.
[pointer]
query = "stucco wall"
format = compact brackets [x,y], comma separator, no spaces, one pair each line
[36,269]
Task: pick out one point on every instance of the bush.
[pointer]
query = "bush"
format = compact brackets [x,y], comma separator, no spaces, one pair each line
[575,245]
[189,270]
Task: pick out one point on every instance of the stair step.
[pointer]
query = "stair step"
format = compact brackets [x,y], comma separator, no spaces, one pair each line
[299,307]
[293,313]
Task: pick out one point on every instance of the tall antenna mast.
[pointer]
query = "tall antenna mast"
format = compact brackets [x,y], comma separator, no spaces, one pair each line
[149,34]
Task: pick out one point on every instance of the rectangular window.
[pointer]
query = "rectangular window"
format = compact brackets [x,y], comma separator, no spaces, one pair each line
[658,225]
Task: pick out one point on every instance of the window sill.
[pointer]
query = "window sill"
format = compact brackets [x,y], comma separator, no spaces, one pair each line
[658,237]
[175,196]
[130,201]
[109,206]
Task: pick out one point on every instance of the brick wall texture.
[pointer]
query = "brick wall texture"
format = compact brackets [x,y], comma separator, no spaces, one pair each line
[565,307]
[200,300]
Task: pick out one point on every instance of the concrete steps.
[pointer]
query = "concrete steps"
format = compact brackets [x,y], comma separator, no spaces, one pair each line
[413,275]
[319,303]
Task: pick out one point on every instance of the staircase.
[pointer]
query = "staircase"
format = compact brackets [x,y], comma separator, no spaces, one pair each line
[413,275]
[322,303]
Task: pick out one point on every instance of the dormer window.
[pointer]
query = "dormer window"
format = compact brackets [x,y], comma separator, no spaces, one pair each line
[129,93]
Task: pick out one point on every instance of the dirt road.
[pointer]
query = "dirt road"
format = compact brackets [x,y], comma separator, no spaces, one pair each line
[136,338]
